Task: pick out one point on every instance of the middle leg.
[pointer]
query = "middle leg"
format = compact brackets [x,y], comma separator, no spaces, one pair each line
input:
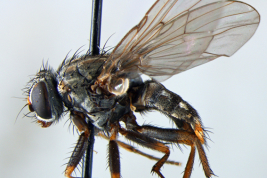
[150,143]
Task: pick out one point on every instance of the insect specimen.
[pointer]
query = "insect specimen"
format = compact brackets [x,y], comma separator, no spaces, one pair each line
[106,90]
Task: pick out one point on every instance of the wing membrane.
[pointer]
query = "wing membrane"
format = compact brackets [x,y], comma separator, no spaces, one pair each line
[177,35]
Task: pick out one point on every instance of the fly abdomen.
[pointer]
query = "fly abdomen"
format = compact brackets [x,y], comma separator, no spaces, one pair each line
[153,95]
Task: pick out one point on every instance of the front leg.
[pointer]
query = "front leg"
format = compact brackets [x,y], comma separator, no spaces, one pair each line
[153,95]
[79,150]
[113,154]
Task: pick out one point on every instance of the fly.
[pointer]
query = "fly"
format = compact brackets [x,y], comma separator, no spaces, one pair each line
[106,90]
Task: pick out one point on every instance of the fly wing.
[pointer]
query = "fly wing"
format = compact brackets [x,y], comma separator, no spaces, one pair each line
[177,35]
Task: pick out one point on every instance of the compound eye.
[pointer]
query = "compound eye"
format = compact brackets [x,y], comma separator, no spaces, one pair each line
[39,101]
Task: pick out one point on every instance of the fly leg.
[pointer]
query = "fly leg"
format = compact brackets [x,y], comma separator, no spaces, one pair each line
[180,137]
[186,136]
[114,155]
[134,150]
[151,143]
[78,152]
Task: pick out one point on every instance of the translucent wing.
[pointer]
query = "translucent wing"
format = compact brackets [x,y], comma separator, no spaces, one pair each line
[177,35]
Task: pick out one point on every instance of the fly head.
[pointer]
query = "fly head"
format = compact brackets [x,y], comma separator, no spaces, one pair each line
[43,98]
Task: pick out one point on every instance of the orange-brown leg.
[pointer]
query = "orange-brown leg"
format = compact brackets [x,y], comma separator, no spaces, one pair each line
[149,143]
[204,160]
[114,155]
[190,162]
[199,132]
[182,137]
[134,150]
[78,152]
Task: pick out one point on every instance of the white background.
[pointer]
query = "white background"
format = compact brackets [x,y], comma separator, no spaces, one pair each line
[229,93]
